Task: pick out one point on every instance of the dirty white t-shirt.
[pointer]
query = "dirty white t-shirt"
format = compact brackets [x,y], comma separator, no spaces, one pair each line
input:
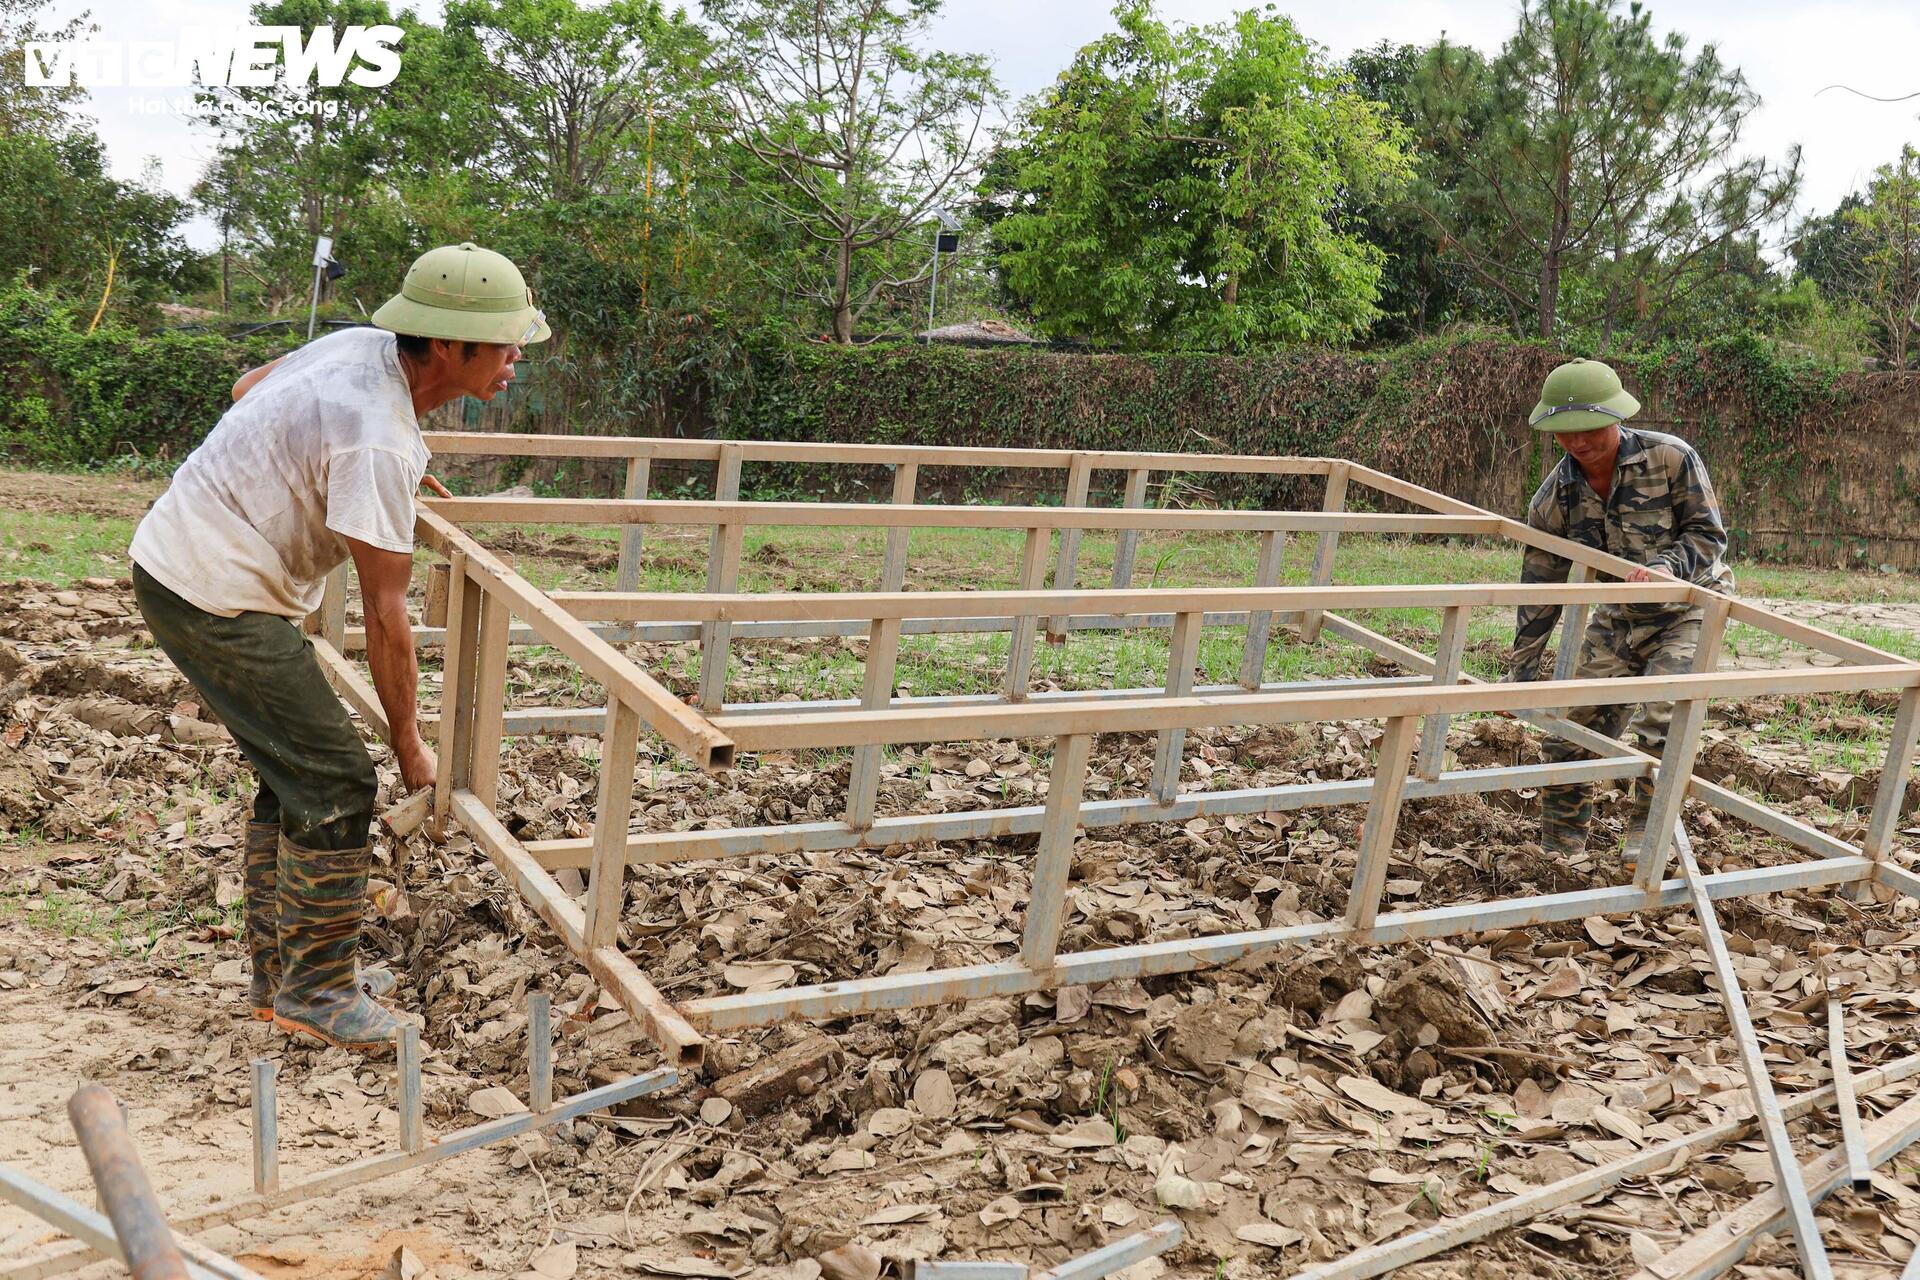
[326,447]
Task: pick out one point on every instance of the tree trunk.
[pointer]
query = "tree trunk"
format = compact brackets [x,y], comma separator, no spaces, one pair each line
[843,292]
[1549,294]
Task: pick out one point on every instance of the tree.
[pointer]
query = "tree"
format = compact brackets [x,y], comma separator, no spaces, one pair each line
[1888,270]
[1198,186]
[34,109]
[1597,183]
[300,160]
[849,133]
[569,97]
[1421,287]
[84,234]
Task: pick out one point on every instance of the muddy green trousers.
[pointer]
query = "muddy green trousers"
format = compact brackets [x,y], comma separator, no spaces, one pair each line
[1617,645]
[260,676]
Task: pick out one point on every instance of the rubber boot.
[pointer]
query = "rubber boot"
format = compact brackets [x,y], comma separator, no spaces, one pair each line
[322,895]
[1562,838]
[1639,802]
[262,879]
[1566,815]
[261,886]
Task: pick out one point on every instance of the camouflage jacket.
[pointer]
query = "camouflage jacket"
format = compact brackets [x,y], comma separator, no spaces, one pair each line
[1661,512]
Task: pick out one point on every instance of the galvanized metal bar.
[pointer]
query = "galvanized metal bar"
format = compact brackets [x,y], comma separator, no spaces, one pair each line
[1676,762]
[145,1242]
[97,1236]
[1897,878]
[1079,477]
[716,638]
[862,606]
[1335,501]
[1266,573]
[1912,1270]
[863,782]
[626,576]
[1889,797]
[539,1052]
[454,1144]
[489,697]
[588,721]
[1126,547]
[1715,1248]
[893,568]
[1046,903]
[1183,651]
[1383,818]
[1153,959]
[572,446]
[987,824]
[606,889]
[1859,1168]
[1573,629]
[266,1126]
[468,512]
[669,715]
[456,688]
[1117,1256]
[333,606]
[412,1111]
[1766,1105]
[967,1269]
[1446,670]
[1033,568]
[1451,1233]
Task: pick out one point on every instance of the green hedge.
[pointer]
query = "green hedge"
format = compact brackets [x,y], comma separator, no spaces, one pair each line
[77,399]
[1811,464]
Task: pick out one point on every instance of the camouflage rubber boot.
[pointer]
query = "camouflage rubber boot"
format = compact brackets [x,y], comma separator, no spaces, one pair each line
[263,924]
[261,880]
[1639,802]
[322,895]
[1566,815]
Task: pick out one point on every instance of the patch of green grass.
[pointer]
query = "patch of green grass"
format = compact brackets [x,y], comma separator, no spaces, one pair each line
[62,549]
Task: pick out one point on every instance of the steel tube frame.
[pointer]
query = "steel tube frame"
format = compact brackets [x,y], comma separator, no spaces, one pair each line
[1412,754]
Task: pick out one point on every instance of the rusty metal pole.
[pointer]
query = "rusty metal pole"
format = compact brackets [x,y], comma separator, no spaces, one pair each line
[128,1196]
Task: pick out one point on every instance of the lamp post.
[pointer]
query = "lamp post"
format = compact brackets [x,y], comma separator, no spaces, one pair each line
[324,268]
[945,240]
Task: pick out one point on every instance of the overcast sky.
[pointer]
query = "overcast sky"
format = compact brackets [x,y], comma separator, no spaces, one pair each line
[1789,49]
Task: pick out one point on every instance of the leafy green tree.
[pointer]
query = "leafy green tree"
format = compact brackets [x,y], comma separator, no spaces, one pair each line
[1888,262]
[42,110]
[1597,183]
[847,133]
[1421,287]
[79,232]
[1198,186]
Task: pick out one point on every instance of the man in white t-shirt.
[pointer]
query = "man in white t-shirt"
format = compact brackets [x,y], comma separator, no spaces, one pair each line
[318,462]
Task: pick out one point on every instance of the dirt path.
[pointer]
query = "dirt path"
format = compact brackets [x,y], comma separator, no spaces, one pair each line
[176,1050]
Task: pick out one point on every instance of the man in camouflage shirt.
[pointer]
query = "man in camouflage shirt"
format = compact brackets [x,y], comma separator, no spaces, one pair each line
[1646,498]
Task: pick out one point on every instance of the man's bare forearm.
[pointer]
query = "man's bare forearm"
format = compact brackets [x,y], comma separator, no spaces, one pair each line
[396,673]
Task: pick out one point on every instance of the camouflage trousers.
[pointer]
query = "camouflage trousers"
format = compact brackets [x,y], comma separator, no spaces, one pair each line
[257,672]
[1619,646]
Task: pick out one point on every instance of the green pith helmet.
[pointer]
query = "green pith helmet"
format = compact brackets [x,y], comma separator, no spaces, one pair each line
[466,293]
[1582,395]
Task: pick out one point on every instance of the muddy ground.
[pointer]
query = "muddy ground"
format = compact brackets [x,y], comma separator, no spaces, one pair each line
[1287,1110]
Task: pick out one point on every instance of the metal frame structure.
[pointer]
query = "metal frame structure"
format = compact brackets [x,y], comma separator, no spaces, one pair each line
[490,607]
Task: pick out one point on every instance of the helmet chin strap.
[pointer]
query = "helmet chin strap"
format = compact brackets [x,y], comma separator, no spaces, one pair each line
[1587,408]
